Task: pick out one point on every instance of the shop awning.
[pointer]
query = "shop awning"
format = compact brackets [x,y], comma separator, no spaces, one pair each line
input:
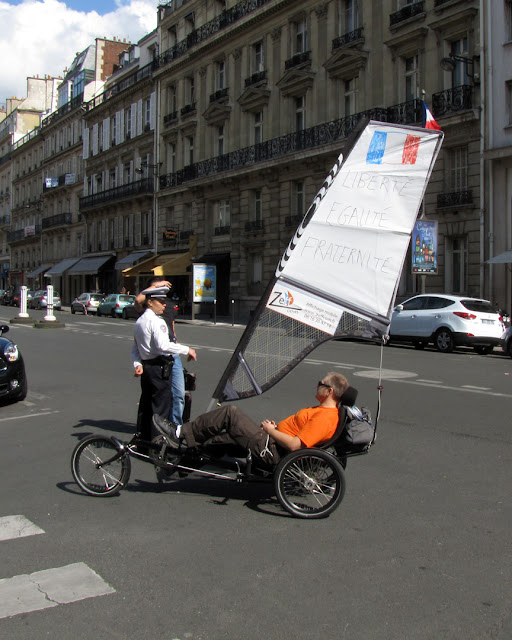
[131,259]
[88,266]
[170,264]
[175,265]
[501,258]
[39,270]
[61,267]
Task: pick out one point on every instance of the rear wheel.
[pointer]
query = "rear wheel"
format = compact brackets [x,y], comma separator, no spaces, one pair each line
[309,484]
[72,309]
[483,349]
[91,474]
[113,313]
[98,313]
[444,341]
[125,314]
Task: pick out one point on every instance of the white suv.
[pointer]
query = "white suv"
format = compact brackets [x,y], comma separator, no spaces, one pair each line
[447,321]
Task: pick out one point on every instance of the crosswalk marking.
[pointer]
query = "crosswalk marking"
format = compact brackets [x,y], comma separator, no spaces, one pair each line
[17,527]
[49,588]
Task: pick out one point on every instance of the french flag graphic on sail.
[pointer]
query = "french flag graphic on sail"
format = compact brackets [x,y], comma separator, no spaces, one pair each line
[387,147]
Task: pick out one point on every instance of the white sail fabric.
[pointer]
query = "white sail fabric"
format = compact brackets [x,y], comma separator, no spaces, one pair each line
[339,275]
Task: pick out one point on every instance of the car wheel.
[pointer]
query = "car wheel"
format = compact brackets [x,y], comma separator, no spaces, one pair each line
[113,313]
[483,349]
[444,341]
[509,348]
[23,391]
[98,313]
[420,345]
[125,315]
[72,309]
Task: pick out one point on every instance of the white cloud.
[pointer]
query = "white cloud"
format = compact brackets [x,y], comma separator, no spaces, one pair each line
[41,37]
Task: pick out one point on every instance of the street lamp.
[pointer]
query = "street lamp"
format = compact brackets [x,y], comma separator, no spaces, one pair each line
[450,63]
[147,165]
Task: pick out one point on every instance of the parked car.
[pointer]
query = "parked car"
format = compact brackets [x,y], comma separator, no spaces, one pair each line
[447,321]
[114,304]
[130,311]
[86,302]
[13,380]
[506,341]
[39,300]
[3,293]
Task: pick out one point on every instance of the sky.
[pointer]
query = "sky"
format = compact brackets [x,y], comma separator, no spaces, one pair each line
[43,36]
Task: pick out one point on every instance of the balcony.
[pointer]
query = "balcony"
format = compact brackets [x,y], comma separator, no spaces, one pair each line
[188,109]
[185,235]
[409,11]
[297,59]
[66,108]
[170,118]
[256,78]
[139,187]
[219,95]
[23,234]
[254,225]
[65,179]
[222,231]
[209,30]
[454,199]
[125,83]
[59,220]
[452,100]
[347,39]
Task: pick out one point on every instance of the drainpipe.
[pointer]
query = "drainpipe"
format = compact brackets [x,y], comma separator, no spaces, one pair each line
[482,150]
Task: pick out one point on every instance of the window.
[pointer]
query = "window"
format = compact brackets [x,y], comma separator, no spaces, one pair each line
[257,63]
[459,74]
[172,38]
[128,123]
[350,96]
[258,127]
[350,16]
[298,198]
[147,112]
[222,216]
[257,211]
[220,70]
[457,264]
[113,128]
[300,113]
[189,90]
[255,269]
[190,23]
[171,99]
[508,20]
[301,34]
[127,174]
[189,150]
[411,78]
[171,157]
[457,174]
[112,179]
[220,141]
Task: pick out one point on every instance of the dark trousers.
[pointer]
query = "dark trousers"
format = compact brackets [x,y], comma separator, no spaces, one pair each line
[229,425]
[155,397]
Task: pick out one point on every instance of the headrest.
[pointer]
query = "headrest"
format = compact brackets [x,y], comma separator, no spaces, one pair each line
[348,399]
[157,292]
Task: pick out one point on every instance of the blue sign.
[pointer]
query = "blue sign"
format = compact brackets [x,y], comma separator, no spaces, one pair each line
[424,247]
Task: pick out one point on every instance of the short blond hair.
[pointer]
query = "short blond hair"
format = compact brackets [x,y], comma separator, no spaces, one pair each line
[338,382]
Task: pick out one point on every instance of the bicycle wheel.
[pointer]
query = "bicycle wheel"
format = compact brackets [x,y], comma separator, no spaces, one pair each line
[96,480]
[309,484]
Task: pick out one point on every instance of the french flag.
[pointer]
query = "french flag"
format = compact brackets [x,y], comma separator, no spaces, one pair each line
[427,119]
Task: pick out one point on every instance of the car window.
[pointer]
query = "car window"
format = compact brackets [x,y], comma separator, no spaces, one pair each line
[414,304]
[433,302]
[125,298]
[95,297]
[478,305]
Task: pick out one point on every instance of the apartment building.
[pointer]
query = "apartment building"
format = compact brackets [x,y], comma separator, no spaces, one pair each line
[257,99]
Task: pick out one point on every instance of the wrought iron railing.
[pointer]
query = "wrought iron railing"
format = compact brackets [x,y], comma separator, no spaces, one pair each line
[21,234]
[259,76]
[347,38]
[254,225]
[170,117]
[452,100]
[208,30]
[409,11]
[298,58]
[57,220]
[66,108]
[125,83]
[139,187]
[188,109]
[185,235]
[454,199]
[222,231]
[220,94]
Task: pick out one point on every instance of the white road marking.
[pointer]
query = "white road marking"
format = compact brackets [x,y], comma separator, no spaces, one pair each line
[470,386]
[386,374]
[17,527]
[30,415]
[49,588]
[429,381]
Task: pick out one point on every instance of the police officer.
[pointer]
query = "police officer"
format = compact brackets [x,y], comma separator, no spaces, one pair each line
[152,353]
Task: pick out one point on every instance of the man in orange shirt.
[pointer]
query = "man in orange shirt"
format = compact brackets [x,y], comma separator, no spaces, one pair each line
[307,428]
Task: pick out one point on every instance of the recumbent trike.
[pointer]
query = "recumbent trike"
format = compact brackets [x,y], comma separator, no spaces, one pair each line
[309,483]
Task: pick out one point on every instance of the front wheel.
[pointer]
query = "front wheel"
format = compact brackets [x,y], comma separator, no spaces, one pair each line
[444,341]
[96,469]
[483,349]
[309,484]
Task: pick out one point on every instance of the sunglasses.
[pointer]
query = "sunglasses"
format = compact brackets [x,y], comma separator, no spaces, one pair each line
[322,384]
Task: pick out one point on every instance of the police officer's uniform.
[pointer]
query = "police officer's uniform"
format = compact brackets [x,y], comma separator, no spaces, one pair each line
[154,350]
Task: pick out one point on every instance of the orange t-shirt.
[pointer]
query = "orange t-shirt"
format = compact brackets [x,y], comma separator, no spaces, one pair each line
[313,425]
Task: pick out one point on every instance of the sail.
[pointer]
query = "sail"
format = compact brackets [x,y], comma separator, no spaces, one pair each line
[339,275]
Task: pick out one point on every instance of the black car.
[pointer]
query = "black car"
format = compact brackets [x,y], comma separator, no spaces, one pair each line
[13,381]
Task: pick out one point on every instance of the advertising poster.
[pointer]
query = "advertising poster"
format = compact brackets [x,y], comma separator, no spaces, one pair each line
[424,247]
[205,282]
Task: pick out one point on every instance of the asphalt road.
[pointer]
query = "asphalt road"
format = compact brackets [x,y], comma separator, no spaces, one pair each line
[420,547]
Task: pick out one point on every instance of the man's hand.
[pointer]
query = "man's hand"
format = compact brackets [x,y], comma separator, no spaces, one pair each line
[268,426]
[191,354]
[138,371]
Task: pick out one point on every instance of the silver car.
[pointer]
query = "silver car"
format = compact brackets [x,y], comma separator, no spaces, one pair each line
[39,300]
[86,303]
